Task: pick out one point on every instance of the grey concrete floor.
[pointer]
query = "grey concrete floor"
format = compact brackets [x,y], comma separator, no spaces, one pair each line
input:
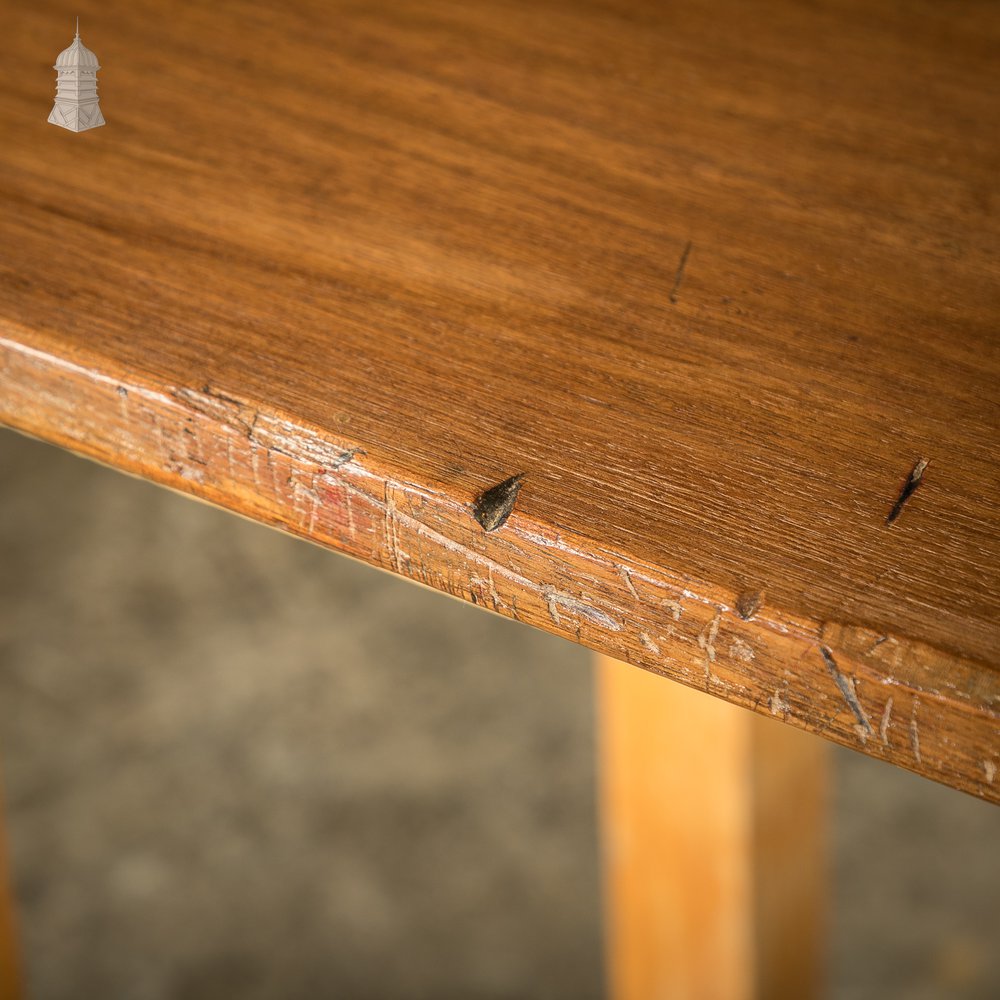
[239,766]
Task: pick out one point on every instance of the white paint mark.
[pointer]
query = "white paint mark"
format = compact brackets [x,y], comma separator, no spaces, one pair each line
[742,650]
[777,704]
[991,770]
[914,732]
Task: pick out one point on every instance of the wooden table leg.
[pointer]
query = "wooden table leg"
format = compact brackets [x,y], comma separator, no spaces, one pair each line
[713,824]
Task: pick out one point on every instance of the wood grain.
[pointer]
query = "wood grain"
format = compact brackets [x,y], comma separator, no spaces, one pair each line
[711,277]
[714,846]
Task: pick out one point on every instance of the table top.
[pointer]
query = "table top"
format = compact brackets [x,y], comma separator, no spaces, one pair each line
[720,283]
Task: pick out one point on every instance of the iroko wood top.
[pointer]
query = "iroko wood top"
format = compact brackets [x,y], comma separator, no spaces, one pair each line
[715,279]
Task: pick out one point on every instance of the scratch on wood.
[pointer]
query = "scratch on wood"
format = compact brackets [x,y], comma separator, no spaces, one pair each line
[649,644]
[556,599]
[883,726]
[253,464]
[991,771]
[352,533]
[551,603]
[847,689]
[674,607]
[914,731]
[627,577]
[777,704]
[706,639]
[345,457]
[493,506]
[494,596]
[390,530]
[679,276]
[742,650]
[909,487]
[123,397]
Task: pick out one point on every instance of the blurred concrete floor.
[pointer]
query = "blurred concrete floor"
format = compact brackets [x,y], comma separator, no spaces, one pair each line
[239,766]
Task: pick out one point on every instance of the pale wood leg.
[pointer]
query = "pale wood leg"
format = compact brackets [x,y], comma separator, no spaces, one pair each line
[713,825]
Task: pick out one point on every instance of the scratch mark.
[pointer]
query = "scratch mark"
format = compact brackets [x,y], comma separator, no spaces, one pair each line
[550,600]
[679,276]
[556,600]
[777,704]
[674,607]
[909,487]
[914,732]
[742,649]
[748,604]
[627,577]
[123,397]
[875,645]
[345,457]
[493,506]
[390,530]
[494,596]
[883,726]
[352,533]
[847,689]
[253,464]
[395,518]
[706,639]
[991,771]
[649,644]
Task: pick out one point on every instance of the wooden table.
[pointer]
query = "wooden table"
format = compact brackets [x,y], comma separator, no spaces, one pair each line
[719,282]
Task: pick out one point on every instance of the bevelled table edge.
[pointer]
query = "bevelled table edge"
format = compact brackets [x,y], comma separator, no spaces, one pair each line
[887,696]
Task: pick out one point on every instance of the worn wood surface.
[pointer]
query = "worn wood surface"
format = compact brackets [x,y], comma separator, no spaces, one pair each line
[715,871]
[712,277]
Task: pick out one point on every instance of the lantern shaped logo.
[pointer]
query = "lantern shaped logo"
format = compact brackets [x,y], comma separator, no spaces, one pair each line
[76,106]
